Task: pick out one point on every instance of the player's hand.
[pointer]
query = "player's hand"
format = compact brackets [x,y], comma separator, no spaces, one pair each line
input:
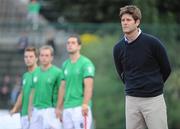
[58,113]
[12,111]
[29,115]
[85,110]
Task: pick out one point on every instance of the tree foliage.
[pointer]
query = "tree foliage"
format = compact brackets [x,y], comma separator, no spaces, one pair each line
[154,11]
[87,11]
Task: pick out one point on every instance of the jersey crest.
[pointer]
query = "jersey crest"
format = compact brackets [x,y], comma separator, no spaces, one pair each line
[24,81]
[35,79]
[65,72]
[90,70]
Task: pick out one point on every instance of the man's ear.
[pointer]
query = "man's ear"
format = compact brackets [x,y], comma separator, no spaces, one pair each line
[137,22]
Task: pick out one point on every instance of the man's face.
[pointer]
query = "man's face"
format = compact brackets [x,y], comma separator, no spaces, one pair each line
[45,57]
[129,25]
[72,45]
[30,58]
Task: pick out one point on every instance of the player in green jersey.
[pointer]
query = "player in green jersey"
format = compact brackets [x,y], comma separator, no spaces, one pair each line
[30,59]
[46,81]
[76,88]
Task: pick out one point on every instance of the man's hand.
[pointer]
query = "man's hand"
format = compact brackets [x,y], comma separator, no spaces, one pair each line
[85,110]
[58,113]
[12,111]
[29,114]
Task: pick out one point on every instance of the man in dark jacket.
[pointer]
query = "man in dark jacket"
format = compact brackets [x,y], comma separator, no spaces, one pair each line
[142,64]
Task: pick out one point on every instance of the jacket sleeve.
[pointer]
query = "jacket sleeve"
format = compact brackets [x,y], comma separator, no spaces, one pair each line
[163,61]
[117,62]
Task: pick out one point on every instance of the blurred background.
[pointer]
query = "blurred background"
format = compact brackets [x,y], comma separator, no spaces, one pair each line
[38,22]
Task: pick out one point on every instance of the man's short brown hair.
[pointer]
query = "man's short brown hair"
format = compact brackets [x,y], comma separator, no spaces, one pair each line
[132,10]
[32,49]
[77,37]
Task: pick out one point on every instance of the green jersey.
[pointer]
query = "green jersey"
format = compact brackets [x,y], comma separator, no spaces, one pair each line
[46,84]
[26,89]
[74,75]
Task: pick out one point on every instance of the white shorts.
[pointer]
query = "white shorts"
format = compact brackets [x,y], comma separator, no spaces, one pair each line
[44,119]
[24,122]
[73,118]
[10,122]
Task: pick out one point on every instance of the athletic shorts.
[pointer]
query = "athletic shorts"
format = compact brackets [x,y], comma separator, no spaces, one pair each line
[73,118]
[24,122]
[44,119]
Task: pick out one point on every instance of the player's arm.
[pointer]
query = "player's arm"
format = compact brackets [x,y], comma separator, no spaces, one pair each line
[88,91]
[59,106]
[17,105]
[30,106]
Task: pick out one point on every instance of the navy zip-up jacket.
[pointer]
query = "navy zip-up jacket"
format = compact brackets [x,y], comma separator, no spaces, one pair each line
[142,65]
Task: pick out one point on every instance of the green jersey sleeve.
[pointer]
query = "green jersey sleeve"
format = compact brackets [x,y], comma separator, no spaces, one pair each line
[63,68]
[88,69]
[34,77]
[60,76]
